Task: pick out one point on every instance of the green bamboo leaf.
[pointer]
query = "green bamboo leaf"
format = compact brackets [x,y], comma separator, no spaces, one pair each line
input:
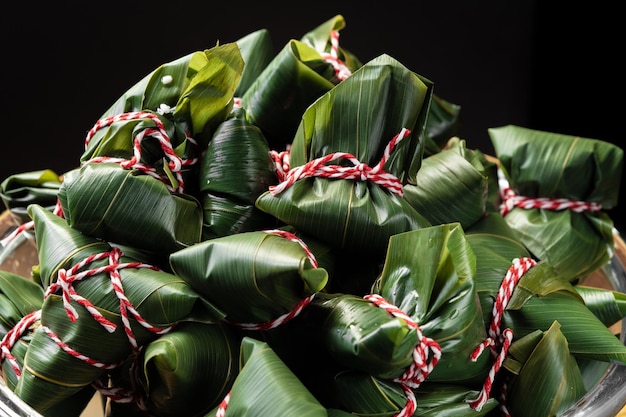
[495,246]
[541,296]
[254,277]
[18,297]
[549,381]
[106,201]
[608,305]
[448,400]
[539,164]
[448,189]
[442,124]
[32,187]
[346,214]
[435,287]
[225,216]
[281,394]
[586,335]
[190,369]
[364,395]
[207,100]
[352,118]
[257,51]
[282,92]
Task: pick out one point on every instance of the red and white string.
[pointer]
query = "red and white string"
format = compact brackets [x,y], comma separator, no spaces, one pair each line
[498,337]
[425,356]
[341,69]
[30,225]
[511,200]
[359,171]
[13,335]
[65,283]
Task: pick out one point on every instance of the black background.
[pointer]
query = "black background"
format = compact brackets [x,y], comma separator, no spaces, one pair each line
[540,65]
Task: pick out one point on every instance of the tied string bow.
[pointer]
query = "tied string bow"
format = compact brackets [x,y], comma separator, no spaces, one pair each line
[498,337]
[425,356]
[175,162]
[65,283]
[341,70]
[511,200]
[359,171]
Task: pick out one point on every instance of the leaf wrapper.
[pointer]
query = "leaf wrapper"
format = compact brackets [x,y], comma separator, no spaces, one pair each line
[541,296]
[442,124]
[541,164]
[365,395]
[355,333]
[291,82]
[449,188]
[33,187]
[124,206]
[254,277]
[320,39]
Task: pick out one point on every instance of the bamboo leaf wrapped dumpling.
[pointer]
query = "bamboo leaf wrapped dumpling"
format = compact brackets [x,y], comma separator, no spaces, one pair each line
[365,395]
[18,191]
[343,331]
[189,370]
[99,308]
[255,277]
[429,275]
[560,220]
[19,297]
[376,138]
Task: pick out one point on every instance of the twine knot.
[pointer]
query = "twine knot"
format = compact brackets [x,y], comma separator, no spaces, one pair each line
[358,171]
[498,337]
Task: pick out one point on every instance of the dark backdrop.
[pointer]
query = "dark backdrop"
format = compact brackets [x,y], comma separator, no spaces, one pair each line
[520,62]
